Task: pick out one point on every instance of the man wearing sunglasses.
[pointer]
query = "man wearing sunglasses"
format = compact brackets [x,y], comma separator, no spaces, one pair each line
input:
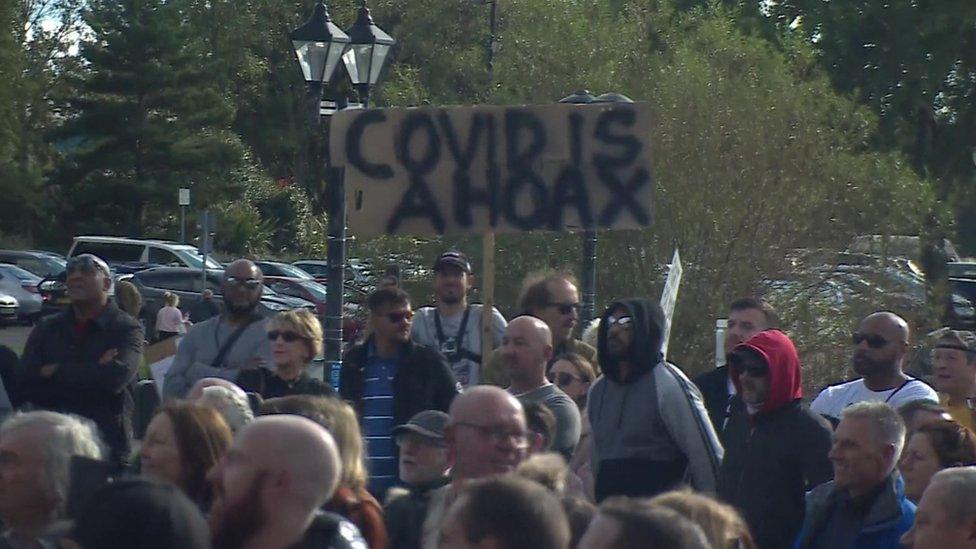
[388,378]
[775,448]
[881,343]
[747,317]
[553,298]
[453,325]
[228,344]
[650,430]
[82,360]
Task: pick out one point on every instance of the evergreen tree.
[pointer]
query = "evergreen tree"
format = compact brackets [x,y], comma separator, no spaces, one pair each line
[148,117]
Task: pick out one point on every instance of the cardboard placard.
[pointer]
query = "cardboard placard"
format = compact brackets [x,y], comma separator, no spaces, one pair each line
[427,171]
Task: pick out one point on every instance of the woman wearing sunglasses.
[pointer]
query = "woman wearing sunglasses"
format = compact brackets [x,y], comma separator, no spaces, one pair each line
[573,374]
[296,338]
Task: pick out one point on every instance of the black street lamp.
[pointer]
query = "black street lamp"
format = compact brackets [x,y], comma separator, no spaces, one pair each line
[319,45]
[367,53]
[588,262]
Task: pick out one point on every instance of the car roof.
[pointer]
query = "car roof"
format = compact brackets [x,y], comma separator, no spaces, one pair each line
[23,253]
[178,270]
[126,240]
[311,262]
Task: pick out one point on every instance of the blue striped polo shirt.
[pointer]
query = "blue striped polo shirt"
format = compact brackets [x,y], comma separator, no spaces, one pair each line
[378,421]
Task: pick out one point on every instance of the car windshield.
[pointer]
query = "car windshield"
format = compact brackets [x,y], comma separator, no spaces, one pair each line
[291,271]
[20,274]
[194,258]
[317,290]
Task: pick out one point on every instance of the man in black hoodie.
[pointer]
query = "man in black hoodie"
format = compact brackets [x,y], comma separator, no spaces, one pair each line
[650,430]
[775,447]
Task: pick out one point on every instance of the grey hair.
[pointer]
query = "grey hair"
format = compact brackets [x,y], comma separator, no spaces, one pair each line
[959,492]
[66,436]
[234,407]
[887,423]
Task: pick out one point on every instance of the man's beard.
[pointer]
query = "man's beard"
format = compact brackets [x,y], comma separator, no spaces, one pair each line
[449,299]
[238,309]
[242,519]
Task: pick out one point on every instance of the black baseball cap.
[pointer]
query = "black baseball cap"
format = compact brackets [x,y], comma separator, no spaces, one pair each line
[429,423]
[454,258]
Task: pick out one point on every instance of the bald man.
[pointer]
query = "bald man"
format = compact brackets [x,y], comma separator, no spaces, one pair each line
[881,343]
[486,437]
[270,484]
[526,350]
[224,345]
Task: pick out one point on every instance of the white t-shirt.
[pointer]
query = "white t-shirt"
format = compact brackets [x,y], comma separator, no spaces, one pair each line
[466,369]
[832,400]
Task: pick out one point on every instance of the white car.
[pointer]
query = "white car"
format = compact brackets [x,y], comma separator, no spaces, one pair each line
[8,308]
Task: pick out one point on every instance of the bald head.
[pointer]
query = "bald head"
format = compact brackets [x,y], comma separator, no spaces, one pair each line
[299,448]
[526,349]
[888,324]
[479,400]
[486,435]
[243,268]
[881,344]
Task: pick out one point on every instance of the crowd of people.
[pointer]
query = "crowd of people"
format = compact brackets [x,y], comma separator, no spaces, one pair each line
[548,441]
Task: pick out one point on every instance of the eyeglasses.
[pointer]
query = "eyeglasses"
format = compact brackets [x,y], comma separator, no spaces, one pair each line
[289,337]
[622,321]
[563,379]
[874,340]
[565,308]
[248,283]
[87,263]
[497,434]
[398,317]
[403,439]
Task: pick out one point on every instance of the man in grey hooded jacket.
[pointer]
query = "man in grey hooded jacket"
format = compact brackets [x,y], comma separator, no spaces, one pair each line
[650,429]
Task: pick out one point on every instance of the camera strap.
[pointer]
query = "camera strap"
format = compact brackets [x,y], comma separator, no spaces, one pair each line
[458,340]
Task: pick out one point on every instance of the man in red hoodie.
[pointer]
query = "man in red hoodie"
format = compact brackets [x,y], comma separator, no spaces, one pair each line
[775,447]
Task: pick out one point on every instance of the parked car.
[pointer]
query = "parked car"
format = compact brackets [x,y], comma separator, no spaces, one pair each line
[188,284]
[133,251]
[309,290]
[22,285]
[40,263]
[8,308]
[276,268]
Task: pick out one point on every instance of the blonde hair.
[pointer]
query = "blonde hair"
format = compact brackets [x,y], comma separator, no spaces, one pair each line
[722,524]
[171,299]
[128,297]
[339,419]
[303,323]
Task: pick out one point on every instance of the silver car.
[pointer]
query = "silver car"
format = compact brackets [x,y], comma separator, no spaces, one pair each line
[22,285]
[8,309]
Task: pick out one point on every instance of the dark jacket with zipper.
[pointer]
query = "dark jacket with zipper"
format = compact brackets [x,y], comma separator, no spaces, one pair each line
[80,385]
[774,455]
[423,381]
[888,516]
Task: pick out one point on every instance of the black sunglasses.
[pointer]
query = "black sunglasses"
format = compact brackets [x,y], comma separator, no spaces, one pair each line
[396,318]
[565,308]
[751,367]
[563,379]
[874,340]
[289,337]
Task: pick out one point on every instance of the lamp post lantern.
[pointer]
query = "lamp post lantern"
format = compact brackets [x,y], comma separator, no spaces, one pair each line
[588,261]
[320,45]
[368,49]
